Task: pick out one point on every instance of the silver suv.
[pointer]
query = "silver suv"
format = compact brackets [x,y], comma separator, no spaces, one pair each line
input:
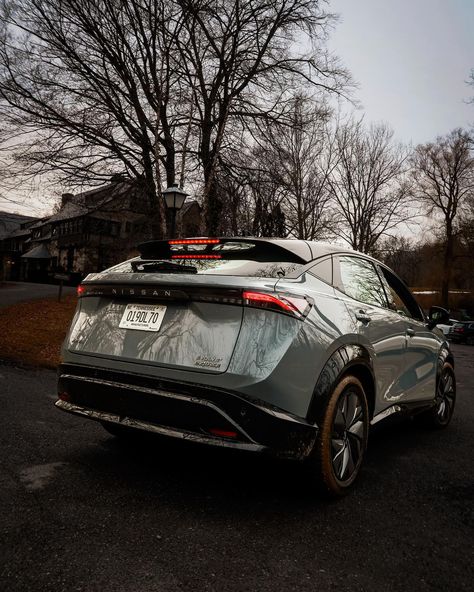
[282,346]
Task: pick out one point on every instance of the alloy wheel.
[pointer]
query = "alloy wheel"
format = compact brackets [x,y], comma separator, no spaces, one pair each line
[349,433]
[446,397]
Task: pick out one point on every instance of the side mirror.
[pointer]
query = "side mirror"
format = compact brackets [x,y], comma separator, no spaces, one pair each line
[437,316]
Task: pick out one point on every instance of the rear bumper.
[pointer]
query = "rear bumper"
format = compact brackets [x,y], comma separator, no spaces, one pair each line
[183,410]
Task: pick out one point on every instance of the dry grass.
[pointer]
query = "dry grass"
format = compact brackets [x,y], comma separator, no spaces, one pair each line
[32,332]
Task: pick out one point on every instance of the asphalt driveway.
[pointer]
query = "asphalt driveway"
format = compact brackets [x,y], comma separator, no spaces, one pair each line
[13,292]
[81,511]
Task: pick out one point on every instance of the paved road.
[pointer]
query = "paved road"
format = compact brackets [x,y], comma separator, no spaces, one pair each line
[79,511]
[13,292]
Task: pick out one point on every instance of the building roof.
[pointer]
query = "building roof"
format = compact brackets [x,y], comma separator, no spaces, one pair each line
[38,252]
[72,209]
[10,223]
[188,205]
[91,201]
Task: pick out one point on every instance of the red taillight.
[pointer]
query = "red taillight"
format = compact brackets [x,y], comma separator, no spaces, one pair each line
[459,329]
[80,290]
[195,241]
[294,305]
[223,433]
[196,256]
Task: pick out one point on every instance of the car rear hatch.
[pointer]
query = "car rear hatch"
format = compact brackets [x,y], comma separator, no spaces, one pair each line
[176,306]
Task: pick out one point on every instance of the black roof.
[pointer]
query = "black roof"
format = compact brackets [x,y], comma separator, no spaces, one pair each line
[10,222]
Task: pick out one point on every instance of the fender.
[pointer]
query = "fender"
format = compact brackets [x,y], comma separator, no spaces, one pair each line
[339,363]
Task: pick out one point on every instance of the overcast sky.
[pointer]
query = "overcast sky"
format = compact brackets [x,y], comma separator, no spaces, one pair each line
[411,59]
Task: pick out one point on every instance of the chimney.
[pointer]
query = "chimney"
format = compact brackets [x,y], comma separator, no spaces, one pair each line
[65,198]
[117,177]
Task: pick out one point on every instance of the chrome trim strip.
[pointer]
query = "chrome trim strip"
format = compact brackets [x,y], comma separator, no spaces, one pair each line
[385,413]
[157,429]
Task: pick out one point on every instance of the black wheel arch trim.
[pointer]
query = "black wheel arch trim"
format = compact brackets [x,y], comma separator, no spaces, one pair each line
[346,358]
[444,355]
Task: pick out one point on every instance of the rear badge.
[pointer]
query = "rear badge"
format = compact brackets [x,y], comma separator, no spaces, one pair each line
[208,362]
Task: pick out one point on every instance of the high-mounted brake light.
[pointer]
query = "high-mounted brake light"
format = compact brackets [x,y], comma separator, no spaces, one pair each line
[293,305]
[196,256]
[195,241]
[80,290]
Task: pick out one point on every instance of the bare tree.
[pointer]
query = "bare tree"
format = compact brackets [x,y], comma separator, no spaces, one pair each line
[85,87]
[295,160]
[241,59]
[89,87]
[369,184]
[444,183]
[402,255]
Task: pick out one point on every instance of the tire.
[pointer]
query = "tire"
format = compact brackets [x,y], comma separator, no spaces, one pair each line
[340,447]
[439,416]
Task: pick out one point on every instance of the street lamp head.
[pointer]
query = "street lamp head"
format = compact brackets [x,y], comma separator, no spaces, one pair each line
[174,197]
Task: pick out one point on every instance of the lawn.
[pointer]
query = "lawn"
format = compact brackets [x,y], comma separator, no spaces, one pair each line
[32,332]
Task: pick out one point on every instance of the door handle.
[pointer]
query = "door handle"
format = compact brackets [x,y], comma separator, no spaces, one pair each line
[363,317]
[410,332]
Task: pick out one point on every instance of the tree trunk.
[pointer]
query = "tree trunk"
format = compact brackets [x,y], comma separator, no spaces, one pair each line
[447,263]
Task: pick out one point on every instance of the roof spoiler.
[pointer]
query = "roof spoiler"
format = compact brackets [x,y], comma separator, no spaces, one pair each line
[254,249]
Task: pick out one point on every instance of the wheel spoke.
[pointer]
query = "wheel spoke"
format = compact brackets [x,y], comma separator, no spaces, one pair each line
[337,446]
[448,385]
[342,408]
[337,459]
[345,460]
[442,409]
[356,431]
[352,407]
[351,460]
[356,419]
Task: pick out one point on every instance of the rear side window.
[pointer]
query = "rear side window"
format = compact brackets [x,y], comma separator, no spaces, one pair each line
[360,281]
[400,297]
[323,270]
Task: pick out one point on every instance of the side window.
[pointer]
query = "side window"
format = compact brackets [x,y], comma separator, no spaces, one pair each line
[399,296]
[360,280]
[323,270]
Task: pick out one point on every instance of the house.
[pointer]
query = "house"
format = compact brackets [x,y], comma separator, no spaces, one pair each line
[14,231]
[91,231]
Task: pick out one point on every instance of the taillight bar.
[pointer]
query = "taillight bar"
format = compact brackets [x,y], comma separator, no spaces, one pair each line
[195,241]
[194,256]
[296,306]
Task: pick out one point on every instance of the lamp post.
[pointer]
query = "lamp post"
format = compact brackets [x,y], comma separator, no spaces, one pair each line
[174,198]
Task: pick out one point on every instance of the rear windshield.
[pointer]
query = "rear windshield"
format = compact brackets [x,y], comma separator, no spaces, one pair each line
[235,267]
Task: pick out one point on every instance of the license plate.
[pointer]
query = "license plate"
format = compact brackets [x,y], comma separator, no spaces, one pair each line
[143,317]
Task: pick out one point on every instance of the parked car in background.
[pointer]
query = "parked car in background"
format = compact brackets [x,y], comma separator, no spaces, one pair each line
[287,347]
[445,327]
[462,332]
